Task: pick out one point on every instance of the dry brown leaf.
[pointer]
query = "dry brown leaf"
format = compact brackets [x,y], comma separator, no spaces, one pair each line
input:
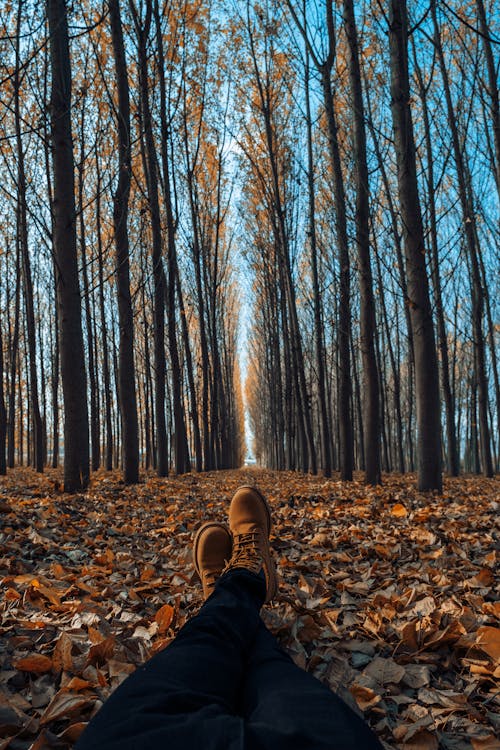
[61,656]
[486,742]
[65,705]
[416,675]
[488,640]
[77,684]
[73,732]
[365,697]
[423,740]
[385,671]
[37,663]
[57,571]
[99,653]
[423,607]
[11,595]
[118,668]
[445,698]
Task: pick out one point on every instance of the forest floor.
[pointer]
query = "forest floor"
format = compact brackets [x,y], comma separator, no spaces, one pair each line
[388,595]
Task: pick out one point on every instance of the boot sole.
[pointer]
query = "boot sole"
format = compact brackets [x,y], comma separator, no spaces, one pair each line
[204,527]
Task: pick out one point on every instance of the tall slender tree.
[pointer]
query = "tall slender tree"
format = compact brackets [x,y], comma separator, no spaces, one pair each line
[3,414]
[325,68]
[143,28]
[22,228]
[424,347]
[371,406]
[76,428]
[126,367]
[473,251]
[182,462]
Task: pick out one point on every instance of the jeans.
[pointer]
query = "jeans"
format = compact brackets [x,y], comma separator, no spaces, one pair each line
[225,683]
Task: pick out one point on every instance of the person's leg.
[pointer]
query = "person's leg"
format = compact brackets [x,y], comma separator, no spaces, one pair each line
[286,708]
[185,696]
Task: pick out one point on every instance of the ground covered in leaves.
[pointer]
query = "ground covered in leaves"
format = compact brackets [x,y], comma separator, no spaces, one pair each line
[388,596]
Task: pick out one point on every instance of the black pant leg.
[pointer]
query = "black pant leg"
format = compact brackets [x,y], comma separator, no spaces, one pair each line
[185,697]
[286,708]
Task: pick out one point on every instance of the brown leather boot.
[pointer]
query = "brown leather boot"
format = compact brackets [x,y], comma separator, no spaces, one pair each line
[250,525]
[211,551]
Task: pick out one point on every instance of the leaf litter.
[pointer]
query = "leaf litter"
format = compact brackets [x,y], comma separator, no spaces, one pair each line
[389,596]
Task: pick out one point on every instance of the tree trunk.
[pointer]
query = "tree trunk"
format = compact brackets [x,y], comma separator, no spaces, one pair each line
[14,352]
[95,451]
[451,438]
[395,369]
[22,228]
[190,373]
[126,367]
[371,406]
[473,250]
[492,85]
[55,330]
[142,30]
[208,459]
[318,323]
[3,414]
[76,429]
[344,319]
[182,462]
[108,416]
[426,367]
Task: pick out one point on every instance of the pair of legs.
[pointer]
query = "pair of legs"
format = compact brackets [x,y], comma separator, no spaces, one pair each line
[224,683]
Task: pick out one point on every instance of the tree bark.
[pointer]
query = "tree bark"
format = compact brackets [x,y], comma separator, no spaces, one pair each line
[492,85]
[76,429]
[371,406]
[142,30]
[473,251]
[14,352]
[182,462]
[126,366]
[95,449]
[451,437]
[426,367]
[3,415]
[22,228]
[318,323]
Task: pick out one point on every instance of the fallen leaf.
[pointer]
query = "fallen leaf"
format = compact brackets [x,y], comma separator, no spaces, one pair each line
[77,684]
[61,656]
[365,697]
[416,675]
[385,671]
[487,742]
[423,740]
[37,663]
[11,595]
[100,652]
[164,618]
[488,640]
[64,705]
[73,732]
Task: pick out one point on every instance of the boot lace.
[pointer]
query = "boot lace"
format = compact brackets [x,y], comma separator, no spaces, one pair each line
[246,552]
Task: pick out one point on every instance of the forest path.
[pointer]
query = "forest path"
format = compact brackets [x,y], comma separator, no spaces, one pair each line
[387,594]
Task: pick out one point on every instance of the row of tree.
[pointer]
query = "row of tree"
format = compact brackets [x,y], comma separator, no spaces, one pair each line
[118,161]
[372,216]
[158,155]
